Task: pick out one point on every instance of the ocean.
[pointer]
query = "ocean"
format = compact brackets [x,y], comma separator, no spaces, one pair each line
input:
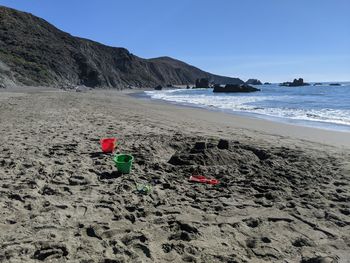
[324,106]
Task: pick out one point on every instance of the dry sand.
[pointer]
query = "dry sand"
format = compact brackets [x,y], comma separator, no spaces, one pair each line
[284,194]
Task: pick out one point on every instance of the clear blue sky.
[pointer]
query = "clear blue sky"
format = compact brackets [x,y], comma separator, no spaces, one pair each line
[272,40]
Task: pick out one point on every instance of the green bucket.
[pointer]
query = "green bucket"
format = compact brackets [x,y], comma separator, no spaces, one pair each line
[123,162]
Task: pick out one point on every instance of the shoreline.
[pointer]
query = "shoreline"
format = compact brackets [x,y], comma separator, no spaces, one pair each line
[238,121]
[329,126]
[313,134]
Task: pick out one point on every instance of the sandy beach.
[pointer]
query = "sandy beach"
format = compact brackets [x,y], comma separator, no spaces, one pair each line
[283,196]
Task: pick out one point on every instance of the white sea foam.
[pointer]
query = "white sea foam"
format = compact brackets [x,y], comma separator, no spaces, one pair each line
[258,103]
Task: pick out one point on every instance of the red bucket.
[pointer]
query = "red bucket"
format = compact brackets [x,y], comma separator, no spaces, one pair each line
[108,144]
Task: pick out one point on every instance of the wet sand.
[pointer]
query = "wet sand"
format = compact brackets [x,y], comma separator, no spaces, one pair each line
[284,192]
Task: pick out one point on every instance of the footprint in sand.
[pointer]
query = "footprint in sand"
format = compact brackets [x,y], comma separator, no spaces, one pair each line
[51,252]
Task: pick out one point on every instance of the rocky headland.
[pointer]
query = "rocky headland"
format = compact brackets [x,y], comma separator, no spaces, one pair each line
[35,53]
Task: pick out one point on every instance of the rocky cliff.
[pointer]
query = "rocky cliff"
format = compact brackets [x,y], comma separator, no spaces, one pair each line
[33,52]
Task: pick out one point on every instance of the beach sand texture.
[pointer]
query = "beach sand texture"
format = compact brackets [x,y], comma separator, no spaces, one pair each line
[284,192]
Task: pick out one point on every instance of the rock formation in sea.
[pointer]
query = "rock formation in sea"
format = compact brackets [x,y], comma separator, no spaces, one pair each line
[235,88]
[253,82]
[35,53]
[296,83]
[202,83]
[335,84]
[159,87]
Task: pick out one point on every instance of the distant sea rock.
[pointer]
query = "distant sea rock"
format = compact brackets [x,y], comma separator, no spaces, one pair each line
[296,83]
[267,83]
[253,82]
[159,87]
[235,88]
[335,84]
[202,83]
[317,84]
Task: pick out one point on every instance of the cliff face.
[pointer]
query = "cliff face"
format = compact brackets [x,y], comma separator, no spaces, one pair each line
[33,52]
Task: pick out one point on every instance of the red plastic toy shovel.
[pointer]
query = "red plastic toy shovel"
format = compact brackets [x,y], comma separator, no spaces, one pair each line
[202,179]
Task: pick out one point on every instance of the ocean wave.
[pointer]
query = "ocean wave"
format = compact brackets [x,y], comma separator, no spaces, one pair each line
[268,105]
